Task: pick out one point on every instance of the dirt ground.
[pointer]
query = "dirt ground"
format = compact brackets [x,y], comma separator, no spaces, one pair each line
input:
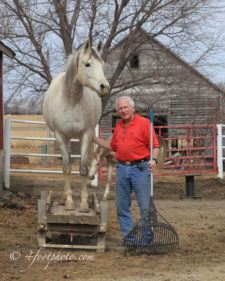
[200,224]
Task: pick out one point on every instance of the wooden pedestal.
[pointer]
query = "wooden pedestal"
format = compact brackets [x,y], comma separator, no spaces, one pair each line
[53,218]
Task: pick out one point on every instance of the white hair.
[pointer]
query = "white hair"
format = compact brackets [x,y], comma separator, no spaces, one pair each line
[125,97]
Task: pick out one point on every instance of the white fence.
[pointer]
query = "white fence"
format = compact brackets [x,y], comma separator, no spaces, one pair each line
[7,151]
[220,149]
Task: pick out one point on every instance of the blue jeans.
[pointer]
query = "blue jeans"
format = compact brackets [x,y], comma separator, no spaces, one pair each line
[128,179]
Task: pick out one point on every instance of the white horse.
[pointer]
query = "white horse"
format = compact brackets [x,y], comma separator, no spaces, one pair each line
[72,108]
[109,155]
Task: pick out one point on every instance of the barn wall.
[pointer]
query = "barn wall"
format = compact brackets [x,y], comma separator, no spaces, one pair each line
[168,85]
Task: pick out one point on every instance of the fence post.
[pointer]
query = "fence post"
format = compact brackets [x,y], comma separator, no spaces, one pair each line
[48,144]
[7,132]
[94,182]
[44,150]
[220,151]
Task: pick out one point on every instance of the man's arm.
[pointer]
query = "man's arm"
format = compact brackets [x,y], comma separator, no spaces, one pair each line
[155,155]
[101,142]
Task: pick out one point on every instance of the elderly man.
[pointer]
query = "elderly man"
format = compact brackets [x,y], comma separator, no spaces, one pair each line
[131,142]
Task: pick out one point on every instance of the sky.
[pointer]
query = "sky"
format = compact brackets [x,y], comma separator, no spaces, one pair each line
[216,70]
[213,35]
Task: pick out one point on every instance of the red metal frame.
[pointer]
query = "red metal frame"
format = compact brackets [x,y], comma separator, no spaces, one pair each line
[190,166]
[195,160]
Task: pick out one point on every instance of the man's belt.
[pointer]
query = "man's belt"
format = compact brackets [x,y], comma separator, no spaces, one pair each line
[131,163]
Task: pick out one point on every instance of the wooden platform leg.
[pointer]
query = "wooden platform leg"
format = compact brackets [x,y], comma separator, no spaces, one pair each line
[41,236]
[101,242]
[103,226]
[42,225]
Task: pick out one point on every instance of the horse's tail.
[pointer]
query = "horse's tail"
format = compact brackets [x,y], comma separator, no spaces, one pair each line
[162,153]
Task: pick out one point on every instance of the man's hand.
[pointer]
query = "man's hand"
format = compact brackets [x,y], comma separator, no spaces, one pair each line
[101,142]
[152,165]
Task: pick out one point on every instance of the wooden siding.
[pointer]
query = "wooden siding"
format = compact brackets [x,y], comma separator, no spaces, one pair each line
[167,85]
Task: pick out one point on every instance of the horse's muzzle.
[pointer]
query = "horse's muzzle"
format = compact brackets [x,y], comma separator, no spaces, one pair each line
[91,177]
[104,90]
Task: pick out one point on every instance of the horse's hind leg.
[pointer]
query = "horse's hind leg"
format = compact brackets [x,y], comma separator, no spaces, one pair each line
[69,204]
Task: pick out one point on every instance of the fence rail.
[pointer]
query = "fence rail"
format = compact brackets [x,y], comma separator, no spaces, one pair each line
[199,150]
[7,141]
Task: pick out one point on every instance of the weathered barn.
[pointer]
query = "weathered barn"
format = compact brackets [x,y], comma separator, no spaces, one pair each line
[6,51]
[160,80]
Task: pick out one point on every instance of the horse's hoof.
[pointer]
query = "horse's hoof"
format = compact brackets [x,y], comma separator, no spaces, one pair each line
[84,210]
[69,206]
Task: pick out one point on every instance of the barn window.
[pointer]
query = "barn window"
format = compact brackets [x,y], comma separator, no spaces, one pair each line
[134,61]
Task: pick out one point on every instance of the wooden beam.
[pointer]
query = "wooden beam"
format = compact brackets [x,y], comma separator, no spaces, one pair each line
[5,50]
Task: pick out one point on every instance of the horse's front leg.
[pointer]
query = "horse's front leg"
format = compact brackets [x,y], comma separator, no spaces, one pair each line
[69,203]
[85,143]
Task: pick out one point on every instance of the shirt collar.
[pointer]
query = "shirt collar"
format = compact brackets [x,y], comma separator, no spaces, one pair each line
[132,123]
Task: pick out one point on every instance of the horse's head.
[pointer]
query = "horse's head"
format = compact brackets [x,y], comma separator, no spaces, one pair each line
[94,167]
[90,69]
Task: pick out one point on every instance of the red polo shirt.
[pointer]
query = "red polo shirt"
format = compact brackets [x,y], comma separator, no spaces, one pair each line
[131,142]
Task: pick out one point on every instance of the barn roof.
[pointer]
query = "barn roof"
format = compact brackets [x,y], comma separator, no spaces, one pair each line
[6,50]
[169,51]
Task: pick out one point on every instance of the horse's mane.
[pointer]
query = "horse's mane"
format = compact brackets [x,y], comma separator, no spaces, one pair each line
[69,61]
[71,68]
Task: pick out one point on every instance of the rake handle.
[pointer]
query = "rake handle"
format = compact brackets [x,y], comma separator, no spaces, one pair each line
[151,146]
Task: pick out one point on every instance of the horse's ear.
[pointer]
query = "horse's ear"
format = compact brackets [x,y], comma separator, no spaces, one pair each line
[99,46]
[86,46]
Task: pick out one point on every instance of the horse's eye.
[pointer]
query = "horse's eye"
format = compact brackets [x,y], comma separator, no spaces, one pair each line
[87,64]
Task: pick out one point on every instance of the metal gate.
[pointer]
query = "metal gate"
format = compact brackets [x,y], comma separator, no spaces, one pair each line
[190,149]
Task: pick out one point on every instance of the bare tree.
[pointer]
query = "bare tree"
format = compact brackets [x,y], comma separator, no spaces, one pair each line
[43,33]
[222,85]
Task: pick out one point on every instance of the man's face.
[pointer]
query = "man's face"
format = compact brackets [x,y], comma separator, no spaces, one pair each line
[125,110]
